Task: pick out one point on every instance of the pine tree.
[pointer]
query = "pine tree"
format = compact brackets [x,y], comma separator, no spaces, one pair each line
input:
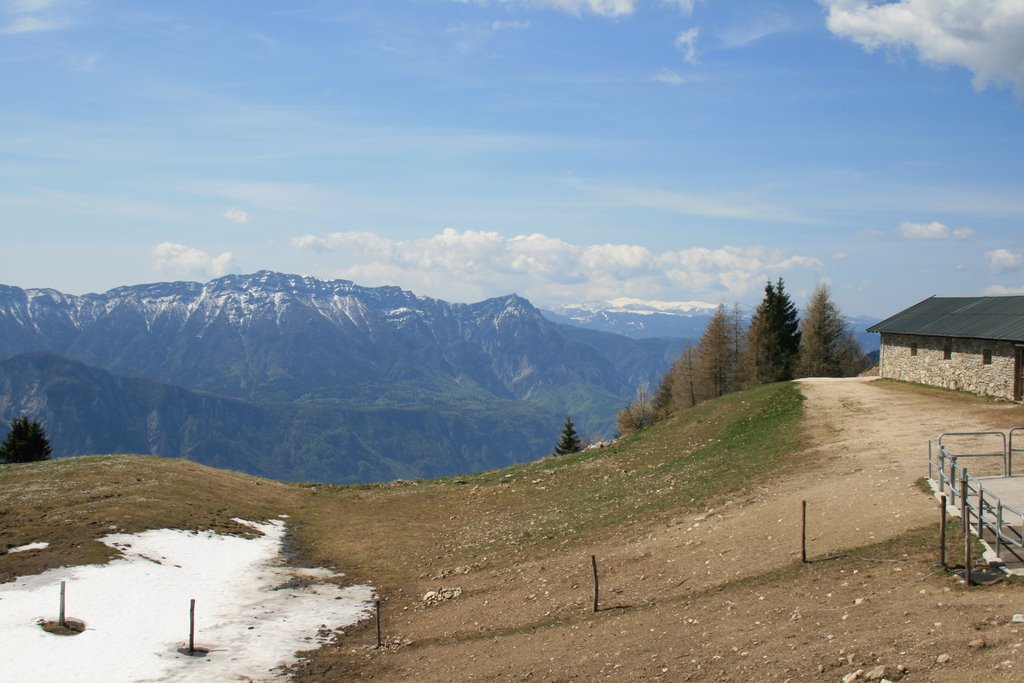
[570,442]
[716,360]
[773,339]
[26,442]
[682,377]
[823,332]
[739,343]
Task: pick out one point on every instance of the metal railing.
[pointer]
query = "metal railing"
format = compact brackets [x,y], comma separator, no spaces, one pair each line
[1011,449]
[982,510]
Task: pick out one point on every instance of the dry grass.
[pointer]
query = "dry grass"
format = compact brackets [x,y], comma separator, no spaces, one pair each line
[70,627]
[392,534]
[72,502]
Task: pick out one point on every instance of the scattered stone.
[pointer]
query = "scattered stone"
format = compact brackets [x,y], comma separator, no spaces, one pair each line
[853,676]
[977,643]
[943,658]
[1018,619]
[390,644]
[440,595]
[877,674]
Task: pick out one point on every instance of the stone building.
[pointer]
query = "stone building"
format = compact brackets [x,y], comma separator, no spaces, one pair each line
[965,343]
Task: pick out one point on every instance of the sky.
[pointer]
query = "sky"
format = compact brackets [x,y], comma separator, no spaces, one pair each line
[569,151]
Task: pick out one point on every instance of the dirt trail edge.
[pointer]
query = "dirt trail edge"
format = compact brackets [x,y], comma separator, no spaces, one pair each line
[721,594]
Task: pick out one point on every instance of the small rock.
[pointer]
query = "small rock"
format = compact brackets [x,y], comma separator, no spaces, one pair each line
[853,676]
[977,643]
[1018,619]
[943,658]
[876,674]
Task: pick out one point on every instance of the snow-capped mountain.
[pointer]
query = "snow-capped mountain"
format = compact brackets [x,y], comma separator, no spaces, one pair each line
[638,318]
[274,339]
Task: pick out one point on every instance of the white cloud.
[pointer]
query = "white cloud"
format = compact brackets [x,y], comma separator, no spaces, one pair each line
[35,24]
[34,16]
[604,8]
[983,36]
[736,205]
[669,77]
[184,259]
[737,269]
[840,256]
[471,265]
[1001,290]
[31,6]
[687,43]
[934,231]
[237,216]
[754,29]
[1004,260]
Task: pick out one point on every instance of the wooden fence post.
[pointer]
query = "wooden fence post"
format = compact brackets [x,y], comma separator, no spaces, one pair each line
[803,532]
[377,609]
[192,626]
[61,620]
[593,562]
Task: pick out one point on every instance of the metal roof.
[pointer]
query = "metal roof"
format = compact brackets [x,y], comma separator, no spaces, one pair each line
[978,317]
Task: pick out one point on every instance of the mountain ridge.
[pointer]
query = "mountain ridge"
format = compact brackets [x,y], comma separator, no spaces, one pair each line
[342,351]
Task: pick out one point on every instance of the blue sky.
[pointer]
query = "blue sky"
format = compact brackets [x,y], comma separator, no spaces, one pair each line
[566,150]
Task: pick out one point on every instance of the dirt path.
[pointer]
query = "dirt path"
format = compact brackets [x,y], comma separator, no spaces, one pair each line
[674,609]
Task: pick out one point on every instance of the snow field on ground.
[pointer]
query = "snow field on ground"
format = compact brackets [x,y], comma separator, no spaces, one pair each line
[252,612]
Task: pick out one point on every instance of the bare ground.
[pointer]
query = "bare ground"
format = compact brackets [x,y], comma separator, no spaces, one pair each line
[721,594]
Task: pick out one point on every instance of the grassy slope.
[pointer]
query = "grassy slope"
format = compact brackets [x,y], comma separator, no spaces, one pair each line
[71,502]
[391,533]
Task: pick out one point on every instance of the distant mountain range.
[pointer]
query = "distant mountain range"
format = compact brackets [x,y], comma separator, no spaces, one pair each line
[638,319]
[672,319]
[300,378]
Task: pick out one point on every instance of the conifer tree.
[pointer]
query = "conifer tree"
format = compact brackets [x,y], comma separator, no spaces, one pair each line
[823,332]
[773,339]
[570,441]
[26,442]
[716,358]
[683,380]
[739,342]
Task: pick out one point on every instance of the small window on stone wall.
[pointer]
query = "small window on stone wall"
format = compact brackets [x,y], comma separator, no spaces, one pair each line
[947,350]
[986,356]
[913,349]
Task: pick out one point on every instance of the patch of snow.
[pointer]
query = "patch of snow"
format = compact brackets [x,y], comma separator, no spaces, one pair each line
[250,612]
[38,545]
[640,306]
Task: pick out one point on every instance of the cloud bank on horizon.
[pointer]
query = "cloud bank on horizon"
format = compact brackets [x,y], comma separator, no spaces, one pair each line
[550,271]
[567,150]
